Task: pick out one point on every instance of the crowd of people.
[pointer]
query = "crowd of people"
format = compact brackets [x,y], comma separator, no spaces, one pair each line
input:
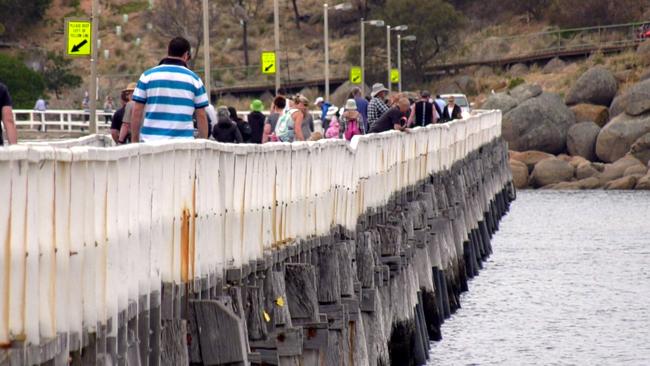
[169,101]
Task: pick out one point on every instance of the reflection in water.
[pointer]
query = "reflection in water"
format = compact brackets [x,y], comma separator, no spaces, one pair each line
[568,284]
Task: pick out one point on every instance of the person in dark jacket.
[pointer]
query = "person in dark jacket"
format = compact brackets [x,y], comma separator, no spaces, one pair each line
[424,112]
[256,121]
[451,111]
[226,130]
[244,127]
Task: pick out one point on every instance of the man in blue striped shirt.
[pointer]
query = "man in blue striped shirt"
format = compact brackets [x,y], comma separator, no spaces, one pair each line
[168,95]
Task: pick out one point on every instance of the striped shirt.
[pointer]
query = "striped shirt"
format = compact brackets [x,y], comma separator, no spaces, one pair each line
[170,92]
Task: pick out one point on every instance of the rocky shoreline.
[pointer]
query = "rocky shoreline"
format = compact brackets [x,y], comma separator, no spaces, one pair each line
[595,137]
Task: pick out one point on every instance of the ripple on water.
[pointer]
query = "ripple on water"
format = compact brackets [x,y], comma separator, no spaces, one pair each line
[568,284]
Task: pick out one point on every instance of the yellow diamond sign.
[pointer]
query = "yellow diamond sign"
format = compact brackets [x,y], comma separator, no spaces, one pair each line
[268,62]
[394,76]
[355,75]
[78,37]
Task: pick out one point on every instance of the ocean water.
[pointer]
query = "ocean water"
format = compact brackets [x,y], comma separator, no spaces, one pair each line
[568,284]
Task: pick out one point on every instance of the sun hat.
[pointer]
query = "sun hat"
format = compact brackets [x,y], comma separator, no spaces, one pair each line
[378,88]
[332,110]
[257,105]
[319,100]
[350,105]
[130,87]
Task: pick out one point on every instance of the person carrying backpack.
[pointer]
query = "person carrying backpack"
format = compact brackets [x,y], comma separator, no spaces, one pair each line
[289,126]
[351,120]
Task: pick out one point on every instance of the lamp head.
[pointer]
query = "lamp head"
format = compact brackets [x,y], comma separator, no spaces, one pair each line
[400,28]
[409,38]
[376,23]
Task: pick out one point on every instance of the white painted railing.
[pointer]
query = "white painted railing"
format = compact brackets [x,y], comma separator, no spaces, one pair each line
[88,230]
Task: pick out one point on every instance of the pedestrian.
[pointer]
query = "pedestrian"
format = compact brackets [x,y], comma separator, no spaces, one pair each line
[108,109]
[451,111]
[362,106]
[41,106]
[277,110]
[323,106]
[334,129]
[226,130]
[85,105]
[211,115]
[7,116]
[440,103]
[351,120]
[256,121]
[393,119]
[116,120]
[424,112]
[170,93]
[289,126]
[125,136]
[377,106]
[308,125]
[244,127]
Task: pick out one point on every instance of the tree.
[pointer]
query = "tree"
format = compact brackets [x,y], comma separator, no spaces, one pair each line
[25,85]
[435,23]
[17,15]
[58,74]
[173,18]
[576,13]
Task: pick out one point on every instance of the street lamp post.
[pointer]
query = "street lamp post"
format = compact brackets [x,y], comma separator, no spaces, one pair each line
[399,56]
[276,30]
[344,6]
[92,93]
[376,23]
[206,49]
[399,28]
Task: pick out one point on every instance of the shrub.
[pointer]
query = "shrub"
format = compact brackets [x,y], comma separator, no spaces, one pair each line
[25,85]
[513,83]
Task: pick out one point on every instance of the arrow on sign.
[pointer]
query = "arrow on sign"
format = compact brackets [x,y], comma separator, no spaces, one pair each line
[77,47]
[356,78]
[268,67]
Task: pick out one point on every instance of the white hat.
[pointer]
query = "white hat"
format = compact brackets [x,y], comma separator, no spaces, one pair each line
[350,105]
[378,88]
[332,110]
[319,100]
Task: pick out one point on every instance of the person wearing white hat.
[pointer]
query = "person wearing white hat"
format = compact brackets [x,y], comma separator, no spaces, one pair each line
[377,107]
[324,106]
[351,120]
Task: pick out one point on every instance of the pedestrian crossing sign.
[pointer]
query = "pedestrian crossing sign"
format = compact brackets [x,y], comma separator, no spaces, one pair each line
[394,76]
[355,75]
[268,62]
[78,37]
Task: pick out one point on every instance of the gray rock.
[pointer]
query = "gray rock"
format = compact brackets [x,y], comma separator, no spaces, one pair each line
[551,171]
[596,86]
[643,51]
[467,84]
[484,72]
[517,70]
[539,123]
[618,136]
[501,101]
[555,65]
[524,92]
[633,101]
[641,149]
[581,140]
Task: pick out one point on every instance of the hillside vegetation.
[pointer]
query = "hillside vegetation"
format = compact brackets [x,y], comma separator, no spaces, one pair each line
[134,34]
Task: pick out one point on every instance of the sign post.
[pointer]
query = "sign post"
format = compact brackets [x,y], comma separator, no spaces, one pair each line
[394,76]
[269,62]
[355,75]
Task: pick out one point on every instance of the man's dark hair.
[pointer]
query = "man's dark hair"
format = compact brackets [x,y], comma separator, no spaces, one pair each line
[178,46]
[280,102]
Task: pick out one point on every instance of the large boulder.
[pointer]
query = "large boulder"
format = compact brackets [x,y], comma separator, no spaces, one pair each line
[501,101]
[581,140]
[553,66]
[617,169]
[634,101]
[643,51]
[596,86]
[624,183]
[467,85]
[518,70]
[524,92]
[643,183]
[519,174]
[586,170]
[551,171]
[641,148]
[540,123]
[591,113]
[618,136]
[530,158]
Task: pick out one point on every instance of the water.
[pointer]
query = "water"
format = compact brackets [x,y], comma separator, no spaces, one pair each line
[568,284]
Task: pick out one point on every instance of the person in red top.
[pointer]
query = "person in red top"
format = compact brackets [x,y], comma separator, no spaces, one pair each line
[7,116]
